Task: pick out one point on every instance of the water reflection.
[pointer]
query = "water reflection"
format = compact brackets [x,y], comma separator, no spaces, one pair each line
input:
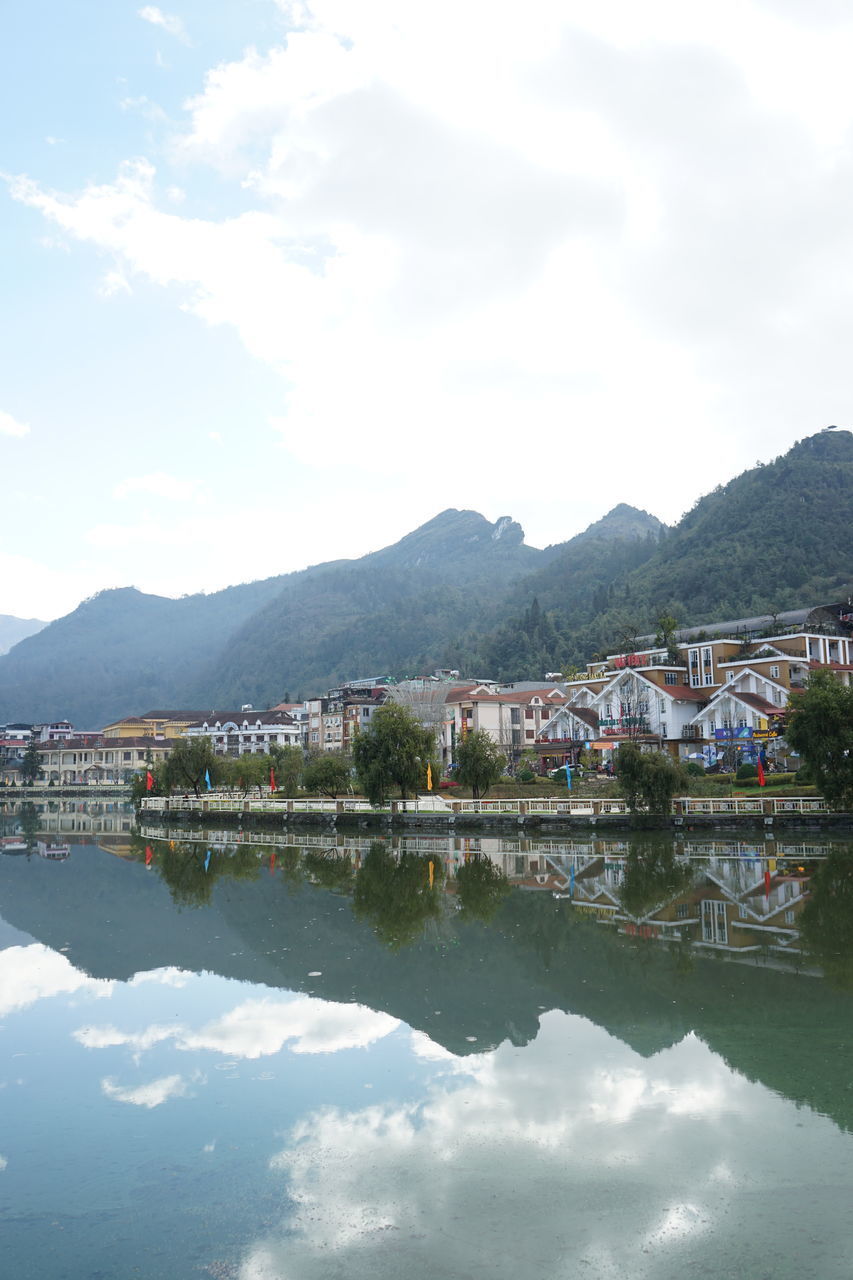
[318,1056]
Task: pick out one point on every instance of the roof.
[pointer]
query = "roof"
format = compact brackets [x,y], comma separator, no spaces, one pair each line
[243,717]
[171,715]
[523,698]
[586,714]
[755,700]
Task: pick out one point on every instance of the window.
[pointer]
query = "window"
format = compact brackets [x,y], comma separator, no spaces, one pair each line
[670,677]
[774,673]
[663,732]
[790,917]
[529,733]
[126,755]
[682,911]
[714,921]
[528,714]
[712,726]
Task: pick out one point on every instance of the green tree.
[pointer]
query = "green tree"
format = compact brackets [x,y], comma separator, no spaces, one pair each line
[288,763]
[649,779]
[667,636]
[188,762]
[328,772]
[820,728]
[479,761]
[31,764]
[394,751]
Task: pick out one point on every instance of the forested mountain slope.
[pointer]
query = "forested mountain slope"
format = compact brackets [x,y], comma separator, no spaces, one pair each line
[123,652]
[776,537]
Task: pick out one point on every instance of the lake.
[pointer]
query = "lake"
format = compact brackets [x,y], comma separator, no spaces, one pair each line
[271,1058]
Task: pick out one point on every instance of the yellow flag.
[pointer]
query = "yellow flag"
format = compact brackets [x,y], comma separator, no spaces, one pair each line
[431,872]
[429,776]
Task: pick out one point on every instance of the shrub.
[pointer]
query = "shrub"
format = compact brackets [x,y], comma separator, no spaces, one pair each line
[745,772]
[695,770]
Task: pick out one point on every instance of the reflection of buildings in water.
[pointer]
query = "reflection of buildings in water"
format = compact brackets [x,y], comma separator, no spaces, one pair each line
[72,817]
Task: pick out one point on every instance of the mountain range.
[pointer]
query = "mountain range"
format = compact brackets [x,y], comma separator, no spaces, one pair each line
[458,591]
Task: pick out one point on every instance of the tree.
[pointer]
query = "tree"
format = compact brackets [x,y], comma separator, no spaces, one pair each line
[394,751]
[31,764]
[288,763]
[189,760]
[649,779]
[820,728]
[328,772]
[667,636]
[480,762]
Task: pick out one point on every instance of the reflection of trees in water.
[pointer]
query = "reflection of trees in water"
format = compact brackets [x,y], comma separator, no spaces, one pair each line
[482,887]
[826,921]
[29,824]
[394,895]
[330,870]
[190,875]
[653,875]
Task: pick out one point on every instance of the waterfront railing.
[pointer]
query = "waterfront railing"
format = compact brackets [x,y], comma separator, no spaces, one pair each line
[581,807]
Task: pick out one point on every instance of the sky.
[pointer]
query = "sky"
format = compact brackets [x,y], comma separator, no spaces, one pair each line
[284,280]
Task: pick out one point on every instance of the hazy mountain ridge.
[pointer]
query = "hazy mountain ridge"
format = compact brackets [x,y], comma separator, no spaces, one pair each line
[13,630]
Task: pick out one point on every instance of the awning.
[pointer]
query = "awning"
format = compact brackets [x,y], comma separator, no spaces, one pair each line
[605,745]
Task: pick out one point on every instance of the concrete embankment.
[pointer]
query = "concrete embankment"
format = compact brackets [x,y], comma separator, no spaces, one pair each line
[498,817]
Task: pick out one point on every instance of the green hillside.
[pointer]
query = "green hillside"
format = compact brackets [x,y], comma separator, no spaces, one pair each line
[777,537]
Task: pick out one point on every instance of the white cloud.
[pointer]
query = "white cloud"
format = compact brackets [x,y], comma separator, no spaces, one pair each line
[460,231]
[168,21]
[34,972]
[9,426]
[3,1163]
[259,1028]
[112,283]
[158,483]
[153,1094]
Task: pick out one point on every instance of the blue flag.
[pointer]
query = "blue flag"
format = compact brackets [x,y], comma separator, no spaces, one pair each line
[568,777]
[207,860]
[572,882]
[207,779]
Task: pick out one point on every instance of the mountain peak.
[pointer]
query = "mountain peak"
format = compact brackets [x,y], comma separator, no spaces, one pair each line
[624,521]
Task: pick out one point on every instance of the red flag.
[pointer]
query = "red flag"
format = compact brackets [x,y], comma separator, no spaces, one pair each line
[761,781]
[149,781]
[272,863]
[148,855]
[272,779]
[767,884]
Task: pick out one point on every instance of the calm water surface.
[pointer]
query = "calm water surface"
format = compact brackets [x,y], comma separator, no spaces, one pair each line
[289,1061]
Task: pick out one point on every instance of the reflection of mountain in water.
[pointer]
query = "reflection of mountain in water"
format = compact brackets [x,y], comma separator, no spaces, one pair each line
[115,918]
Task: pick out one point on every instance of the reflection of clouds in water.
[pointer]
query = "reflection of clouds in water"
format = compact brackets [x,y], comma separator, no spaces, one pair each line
[168,977]
[573,1156]
[148,1095]
[3,1163]
[258,1028]
[30,973]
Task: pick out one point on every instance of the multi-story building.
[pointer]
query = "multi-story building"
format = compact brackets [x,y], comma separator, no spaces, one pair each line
[85,760]
[706,694]
[247,732]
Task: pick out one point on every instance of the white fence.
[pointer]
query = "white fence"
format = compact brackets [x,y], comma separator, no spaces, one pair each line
[582,807]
